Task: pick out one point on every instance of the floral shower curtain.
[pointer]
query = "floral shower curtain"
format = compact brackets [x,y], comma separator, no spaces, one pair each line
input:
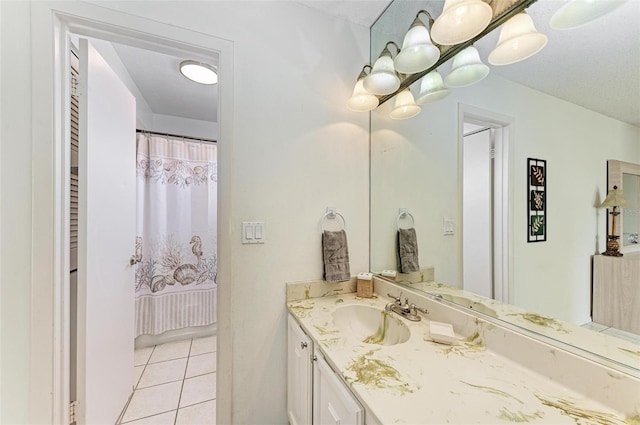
[176,239]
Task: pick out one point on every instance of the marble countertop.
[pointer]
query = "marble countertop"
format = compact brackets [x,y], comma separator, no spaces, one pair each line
[607,347]
[424,382]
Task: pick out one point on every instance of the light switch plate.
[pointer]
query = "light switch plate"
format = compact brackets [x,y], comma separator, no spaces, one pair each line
[448,226]
[253,232]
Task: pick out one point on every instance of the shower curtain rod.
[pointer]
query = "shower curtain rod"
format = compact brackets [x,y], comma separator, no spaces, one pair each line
[179,136]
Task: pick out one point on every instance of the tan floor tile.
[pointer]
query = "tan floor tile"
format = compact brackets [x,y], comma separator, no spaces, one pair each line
[198,389]
[137,373]
[163,372]
[204,345]
[201,364]
[161,419]
[170,351]
[198,414]
[141,356]
[153,400]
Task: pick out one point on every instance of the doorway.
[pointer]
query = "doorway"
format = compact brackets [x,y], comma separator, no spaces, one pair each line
[183,41]
[484,164]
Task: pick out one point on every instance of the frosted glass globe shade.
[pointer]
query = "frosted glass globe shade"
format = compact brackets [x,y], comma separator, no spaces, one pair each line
[461,20]
[405,106]
[575,13]
[383,79]
[467,69]
[432,89]
[361,100]
[418,52]
[518,41]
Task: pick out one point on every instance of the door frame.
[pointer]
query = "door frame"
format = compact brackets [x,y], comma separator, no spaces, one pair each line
[503,207]
[52,24]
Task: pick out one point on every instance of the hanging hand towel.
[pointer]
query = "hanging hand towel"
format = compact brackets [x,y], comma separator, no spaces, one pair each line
[408,250]
[335,254]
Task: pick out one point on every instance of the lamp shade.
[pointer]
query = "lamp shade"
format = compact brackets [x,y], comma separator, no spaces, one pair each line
[615,198]
[575,13]
[518,41]
[418,52]
[383,78]
[432,88]
[405,106]
[361,100]
[467,69]
[461,20]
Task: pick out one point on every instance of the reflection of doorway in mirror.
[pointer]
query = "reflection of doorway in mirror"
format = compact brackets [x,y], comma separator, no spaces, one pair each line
[484,187]
[631,213]
[477,213]
[483,159]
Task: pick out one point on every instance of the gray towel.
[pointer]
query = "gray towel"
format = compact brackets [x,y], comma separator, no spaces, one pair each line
[408,250]
[335,255]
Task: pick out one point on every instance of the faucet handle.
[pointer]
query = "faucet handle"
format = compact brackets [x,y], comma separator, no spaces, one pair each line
[414,308]
[396,299]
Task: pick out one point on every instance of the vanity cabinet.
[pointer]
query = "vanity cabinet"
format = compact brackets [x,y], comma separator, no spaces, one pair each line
[333,403]
[315,393]
[616,291]
[299,375]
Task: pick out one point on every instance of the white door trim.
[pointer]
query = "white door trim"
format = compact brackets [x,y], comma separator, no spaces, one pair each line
[54,21]
[503,207]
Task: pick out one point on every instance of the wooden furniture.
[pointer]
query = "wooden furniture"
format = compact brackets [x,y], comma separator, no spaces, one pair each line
[616,291]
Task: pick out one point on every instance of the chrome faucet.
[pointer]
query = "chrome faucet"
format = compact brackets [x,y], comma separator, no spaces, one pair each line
[406,310]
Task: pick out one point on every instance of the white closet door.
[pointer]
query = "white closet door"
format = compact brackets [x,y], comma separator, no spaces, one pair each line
[107,229]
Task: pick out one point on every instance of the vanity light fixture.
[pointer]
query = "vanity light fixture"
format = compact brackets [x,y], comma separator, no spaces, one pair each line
[199,72]
[615,199]
[461,24]
[361,100]
[383,78]
[405,106]
[575,13]
[432,88]
[518,41]
[460,21]
[467,69]
[418,52]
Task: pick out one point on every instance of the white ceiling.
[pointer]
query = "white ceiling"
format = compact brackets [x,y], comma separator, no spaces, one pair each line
[596,66]
[165,90]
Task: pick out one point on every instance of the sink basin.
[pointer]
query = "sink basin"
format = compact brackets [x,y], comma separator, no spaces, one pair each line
[371,325]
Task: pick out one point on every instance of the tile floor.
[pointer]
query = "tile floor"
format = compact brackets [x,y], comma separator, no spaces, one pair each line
[175,384]
[613,332]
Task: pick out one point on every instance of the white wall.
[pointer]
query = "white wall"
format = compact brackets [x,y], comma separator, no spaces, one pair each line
[15,211]
[297,149]
[414,165]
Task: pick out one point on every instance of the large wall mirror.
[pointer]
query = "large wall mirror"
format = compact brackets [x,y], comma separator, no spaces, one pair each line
[460,167]
[626,176]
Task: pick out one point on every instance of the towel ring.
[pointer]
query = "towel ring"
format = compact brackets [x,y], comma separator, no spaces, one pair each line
[332,215]
[404,214]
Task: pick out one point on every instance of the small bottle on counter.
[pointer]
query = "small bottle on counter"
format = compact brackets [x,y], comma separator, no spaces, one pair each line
[364,285]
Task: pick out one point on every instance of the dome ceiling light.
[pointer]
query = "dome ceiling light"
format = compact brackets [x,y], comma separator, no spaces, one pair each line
[199,72]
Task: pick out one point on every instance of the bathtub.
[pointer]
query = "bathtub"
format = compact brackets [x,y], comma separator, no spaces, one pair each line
[175,335]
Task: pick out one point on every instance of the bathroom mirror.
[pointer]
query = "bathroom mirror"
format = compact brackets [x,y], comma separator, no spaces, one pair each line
[626,176]
[526,110]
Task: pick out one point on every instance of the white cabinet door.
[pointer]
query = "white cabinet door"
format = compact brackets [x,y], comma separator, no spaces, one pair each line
[107,228]
[299,375]
[333,403]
